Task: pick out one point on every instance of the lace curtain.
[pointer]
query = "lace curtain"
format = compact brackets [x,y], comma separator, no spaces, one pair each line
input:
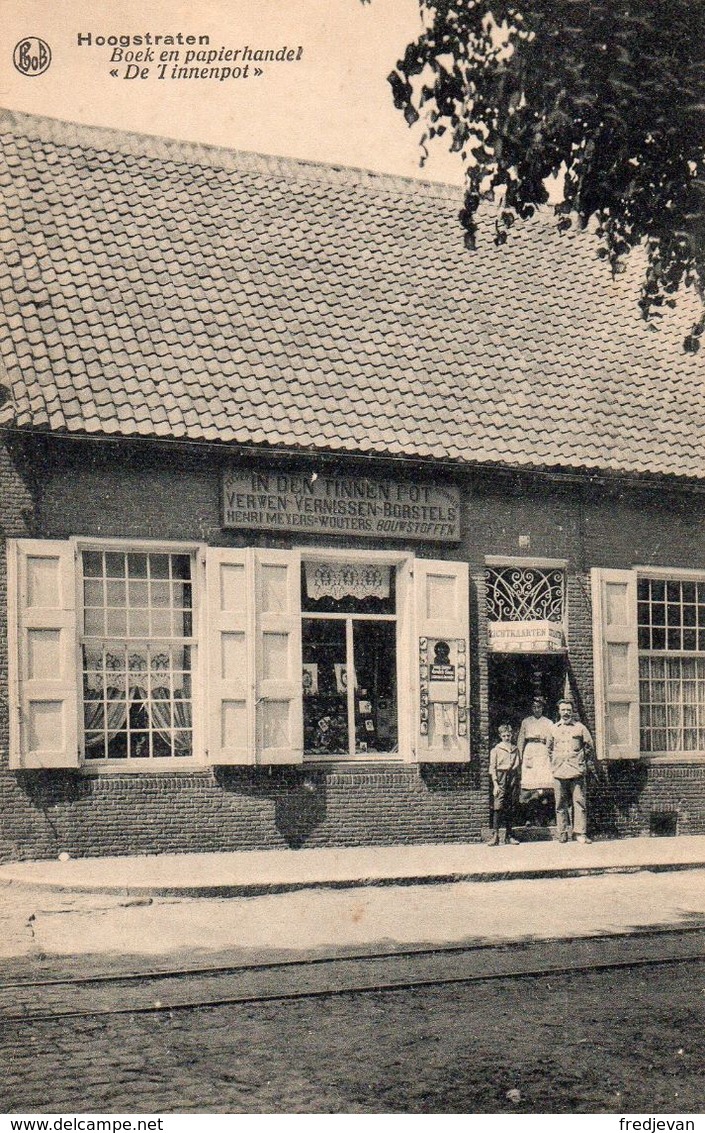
[145,681]
[672,699]
[347,580]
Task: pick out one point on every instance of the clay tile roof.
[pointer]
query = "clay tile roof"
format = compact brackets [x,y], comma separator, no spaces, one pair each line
[154,288]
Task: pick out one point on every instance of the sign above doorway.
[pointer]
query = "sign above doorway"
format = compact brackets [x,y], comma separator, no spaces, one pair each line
[526,637]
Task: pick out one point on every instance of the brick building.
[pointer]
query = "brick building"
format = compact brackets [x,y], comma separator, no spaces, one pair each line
[299,499]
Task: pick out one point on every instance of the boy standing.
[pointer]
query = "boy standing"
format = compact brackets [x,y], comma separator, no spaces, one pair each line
[505,772]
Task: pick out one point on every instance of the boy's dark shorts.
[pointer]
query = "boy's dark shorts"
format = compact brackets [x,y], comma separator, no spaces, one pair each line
[506,788]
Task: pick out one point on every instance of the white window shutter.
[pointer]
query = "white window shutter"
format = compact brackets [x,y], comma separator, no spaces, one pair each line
[441,600]
[278,701]
[43,653]
[230,656]
[616,660]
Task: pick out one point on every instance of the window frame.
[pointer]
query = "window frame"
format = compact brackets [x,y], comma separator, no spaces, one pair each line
[171,764]
[402,562]
[669,574]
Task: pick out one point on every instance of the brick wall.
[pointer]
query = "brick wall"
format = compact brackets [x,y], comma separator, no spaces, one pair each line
[634,799]
[54,490]
[244,809]
[23,829]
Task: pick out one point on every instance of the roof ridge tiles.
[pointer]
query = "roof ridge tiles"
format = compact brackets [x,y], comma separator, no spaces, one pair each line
[78,136]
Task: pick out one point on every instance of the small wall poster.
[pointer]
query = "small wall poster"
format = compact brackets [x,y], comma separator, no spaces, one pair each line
[441,669]
[443,687]
[443,721]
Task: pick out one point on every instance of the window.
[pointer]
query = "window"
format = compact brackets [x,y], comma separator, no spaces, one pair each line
[649,653]
[349,662]
[293,655]
[137,653]
[671,637]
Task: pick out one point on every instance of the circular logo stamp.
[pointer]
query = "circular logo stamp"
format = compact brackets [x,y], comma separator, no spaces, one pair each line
[32,56]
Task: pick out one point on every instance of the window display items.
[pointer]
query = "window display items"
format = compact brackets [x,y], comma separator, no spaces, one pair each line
[309,679]
[324,732]
[387,723]
[325,714]
[341,678]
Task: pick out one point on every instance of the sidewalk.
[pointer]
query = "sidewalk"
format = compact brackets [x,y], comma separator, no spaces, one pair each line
[254,872]
[115,915]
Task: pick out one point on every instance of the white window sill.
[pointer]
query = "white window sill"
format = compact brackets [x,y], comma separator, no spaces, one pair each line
[666,757]
[365,758]
[168,766]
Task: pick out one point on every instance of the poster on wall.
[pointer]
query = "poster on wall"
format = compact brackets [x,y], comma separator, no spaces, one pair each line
[442,687]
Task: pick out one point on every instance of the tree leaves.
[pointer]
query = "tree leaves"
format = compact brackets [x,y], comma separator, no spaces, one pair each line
[611,94]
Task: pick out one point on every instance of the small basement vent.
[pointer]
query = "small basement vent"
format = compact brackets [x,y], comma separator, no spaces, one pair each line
[663,823]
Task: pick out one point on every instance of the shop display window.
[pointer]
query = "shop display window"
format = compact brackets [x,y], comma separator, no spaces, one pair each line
[349,681]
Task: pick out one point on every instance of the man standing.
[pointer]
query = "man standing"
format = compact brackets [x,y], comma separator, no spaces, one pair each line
[570,747]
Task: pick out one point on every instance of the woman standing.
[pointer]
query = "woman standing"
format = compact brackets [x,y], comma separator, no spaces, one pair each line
[532,741]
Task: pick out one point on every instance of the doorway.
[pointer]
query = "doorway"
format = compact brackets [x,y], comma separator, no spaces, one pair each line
[513,680]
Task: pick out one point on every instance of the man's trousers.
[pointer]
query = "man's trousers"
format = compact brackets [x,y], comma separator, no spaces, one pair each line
[570,795]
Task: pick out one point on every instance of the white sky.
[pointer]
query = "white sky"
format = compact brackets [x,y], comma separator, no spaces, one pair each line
[333,106]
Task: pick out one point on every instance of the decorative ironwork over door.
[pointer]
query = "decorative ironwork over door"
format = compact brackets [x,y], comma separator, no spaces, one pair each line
[525,607]
[524,594]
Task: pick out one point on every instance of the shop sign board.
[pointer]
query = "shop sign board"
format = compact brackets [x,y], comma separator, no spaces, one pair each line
[337,505]
[526,637]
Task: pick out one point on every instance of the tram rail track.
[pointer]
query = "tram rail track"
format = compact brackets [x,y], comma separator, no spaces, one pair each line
[184,988]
